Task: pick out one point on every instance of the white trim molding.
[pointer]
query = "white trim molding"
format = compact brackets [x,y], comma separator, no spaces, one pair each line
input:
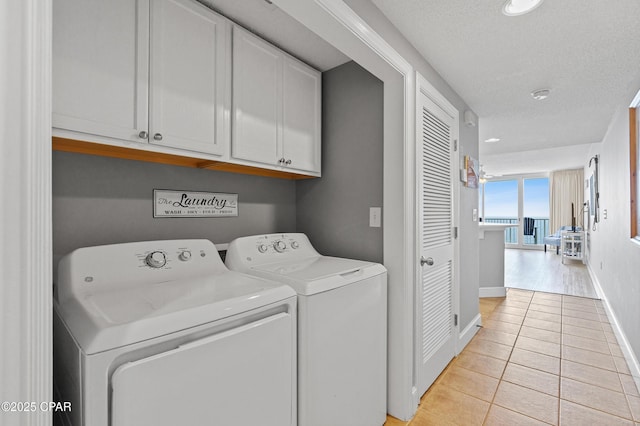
[497,291]
[338,24]
[432,93]
[25,217]
[428,90]
[467,334]
[629,355]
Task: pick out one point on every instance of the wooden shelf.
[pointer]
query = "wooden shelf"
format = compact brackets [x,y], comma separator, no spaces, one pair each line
[103,150]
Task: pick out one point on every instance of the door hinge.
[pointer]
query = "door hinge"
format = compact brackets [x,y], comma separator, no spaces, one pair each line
[455,232]
[455,320]
[455,144]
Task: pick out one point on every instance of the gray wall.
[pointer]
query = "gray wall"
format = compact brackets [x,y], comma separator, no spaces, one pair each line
[334,210]
[613,256]
[100,200]
[491,268]
[469,245]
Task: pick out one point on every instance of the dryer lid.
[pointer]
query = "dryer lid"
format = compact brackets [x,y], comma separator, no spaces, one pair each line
[319,273]
[314,268]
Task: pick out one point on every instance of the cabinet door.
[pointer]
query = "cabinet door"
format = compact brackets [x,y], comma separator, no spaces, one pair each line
[301,116]
[100,67]
[257,91]
[189,77]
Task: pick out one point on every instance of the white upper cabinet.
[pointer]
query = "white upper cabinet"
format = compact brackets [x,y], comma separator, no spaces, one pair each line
[101,67]
[301,116]
[104,86]
[257,91]
[190,77]
[156,75]
[276,107]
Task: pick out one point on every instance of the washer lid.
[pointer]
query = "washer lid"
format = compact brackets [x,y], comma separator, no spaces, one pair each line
[318,273]
[110,319]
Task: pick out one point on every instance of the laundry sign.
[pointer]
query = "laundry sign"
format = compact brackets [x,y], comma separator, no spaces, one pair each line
[167,203]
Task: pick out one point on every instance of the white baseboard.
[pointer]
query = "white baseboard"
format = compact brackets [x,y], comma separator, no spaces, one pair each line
[596,284]
[629,355]
[467,334]
[493,291]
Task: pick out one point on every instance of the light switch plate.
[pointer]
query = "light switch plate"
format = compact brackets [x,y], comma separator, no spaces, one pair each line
[474,214]
[375,217]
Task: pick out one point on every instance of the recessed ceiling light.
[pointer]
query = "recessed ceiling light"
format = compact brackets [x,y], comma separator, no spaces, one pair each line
[519,7]
[540,94]
[492,140]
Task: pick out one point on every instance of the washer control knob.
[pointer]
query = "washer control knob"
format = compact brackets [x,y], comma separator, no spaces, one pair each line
[279,246]
[294,244]
[156,259]
[185,255]
[262,248]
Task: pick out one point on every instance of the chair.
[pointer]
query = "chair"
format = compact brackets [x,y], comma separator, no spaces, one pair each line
[529,228]
[554,239]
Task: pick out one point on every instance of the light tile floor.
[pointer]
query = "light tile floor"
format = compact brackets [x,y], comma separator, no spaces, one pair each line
[539,359]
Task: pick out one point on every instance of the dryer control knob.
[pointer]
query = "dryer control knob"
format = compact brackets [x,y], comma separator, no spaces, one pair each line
[156,259]
[279,246]
[294,244]
[262,248]
[185,255]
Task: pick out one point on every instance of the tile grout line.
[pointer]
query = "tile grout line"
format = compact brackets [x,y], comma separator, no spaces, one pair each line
[491,404]
[559,399]
[624,391]
[591,384]
[561,356]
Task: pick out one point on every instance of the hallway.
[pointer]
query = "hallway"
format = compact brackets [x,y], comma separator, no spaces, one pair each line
[540,358]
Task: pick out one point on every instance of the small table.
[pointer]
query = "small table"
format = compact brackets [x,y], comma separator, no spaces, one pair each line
[572,245]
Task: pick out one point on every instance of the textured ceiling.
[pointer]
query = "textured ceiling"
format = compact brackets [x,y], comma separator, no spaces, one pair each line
[275,26]
[586,52]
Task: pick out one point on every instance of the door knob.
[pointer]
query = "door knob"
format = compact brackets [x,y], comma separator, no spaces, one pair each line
[428,261]
[157,137]
[143,135]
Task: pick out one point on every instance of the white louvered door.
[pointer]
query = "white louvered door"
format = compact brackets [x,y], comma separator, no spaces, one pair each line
[435,331]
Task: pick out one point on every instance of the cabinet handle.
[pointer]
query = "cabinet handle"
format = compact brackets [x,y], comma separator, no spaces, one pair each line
[143,135]
[287,162]
[157,137]
[281,161]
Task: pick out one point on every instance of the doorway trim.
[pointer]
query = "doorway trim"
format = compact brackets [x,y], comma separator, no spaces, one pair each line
[27,277]
[427,89]
[25,158]
[338,24]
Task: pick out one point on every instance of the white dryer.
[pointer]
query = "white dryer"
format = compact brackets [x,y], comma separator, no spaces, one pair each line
[162,333]
[342,326]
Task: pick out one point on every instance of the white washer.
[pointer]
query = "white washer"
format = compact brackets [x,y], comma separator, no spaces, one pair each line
[342,326]
[162,333]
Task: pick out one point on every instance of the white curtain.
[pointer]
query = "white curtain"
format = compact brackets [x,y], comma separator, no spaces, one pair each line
[565,187]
